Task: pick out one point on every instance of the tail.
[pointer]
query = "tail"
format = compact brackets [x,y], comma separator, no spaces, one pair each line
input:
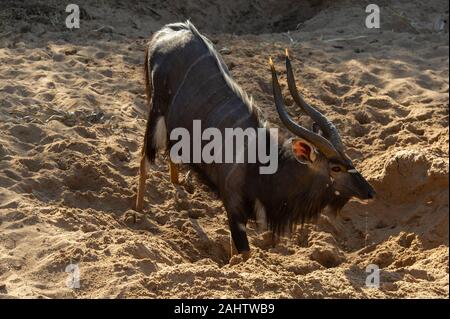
[148,85]
[149,149]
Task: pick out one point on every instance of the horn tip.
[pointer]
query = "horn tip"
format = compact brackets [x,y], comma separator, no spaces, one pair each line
[286,52]
[271,63]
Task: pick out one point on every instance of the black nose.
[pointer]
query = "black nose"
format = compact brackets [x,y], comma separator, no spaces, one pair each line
[371,194]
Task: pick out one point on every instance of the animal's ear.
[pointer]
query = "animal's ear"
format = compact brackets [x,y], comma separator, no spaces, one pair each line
[304,151]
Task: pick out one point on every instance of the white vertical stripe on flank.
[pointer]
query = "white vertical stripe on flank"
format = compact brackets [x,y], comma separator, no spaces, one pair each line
[187,72]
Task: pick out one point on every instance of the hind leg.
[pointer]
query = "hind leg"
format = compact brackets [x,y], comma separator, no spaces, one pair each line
[146,147]
[142,179]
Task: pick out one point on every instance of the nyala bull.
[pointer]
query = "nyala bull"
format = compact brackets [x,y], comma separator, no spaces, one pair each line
[187,80]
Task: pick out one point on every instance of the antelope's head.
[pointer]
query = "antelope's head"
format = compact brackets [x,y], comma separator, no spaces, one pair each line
[321,148]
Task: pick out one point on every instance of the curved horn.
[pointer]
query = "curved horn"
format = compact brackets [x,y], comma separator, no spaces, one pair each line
[320,142]
[330,131]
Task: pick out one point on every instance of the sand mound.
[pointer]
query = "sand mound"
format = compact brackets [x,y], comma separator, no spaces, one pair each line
[72,118]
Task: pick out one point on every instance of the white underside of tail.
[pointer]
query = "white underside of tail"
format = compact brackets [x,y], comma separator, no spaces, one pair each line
[160,136]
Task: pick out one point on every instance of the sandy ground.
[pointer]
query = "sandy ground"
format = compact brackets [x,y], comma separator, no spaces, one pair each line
[72,118]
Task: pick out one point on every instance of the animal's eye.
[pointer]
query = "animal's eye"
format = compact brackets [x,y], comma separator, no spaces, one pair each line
[336,169]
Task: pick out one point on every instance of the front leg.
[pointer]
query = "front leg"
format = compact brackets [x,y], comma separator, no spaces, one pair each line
[236,207]
[238,238]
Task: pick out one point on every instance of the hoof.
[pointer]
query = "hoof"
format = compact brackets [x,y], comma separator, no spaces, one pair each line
[245,255]
[237,259]
[132,217]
